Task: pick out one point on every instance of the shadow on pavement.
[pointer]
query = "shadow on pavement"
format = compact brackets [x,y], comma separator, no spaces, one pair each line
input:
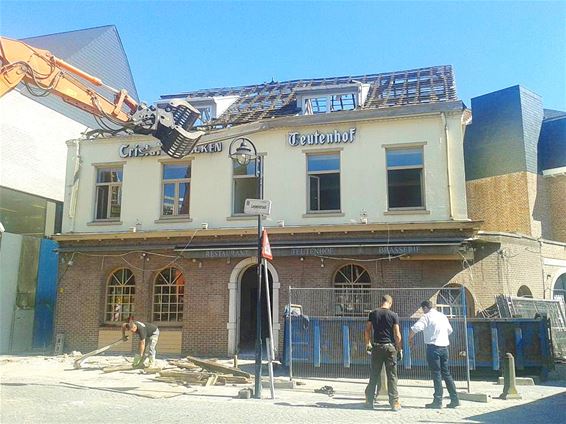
[350,405]
[547,410]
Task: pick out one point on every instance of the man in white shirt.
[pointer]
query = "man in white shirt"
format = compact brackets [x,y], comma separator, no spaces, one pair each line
[436,329]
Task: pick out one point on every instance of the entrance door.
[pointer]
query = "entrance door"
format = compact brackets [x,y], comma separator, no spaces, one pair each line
[248,305]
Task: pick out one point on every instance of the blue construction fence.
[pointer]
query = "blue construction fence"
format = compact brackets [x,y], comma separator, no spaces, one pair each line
[336,343]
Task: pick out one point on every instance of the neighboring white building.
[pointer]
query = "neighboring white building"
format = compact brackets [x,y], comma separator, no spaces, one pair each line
[33,131]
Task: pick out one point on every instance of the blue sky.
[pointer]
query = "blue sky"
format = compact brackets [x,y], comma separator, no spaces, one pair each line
[176,46]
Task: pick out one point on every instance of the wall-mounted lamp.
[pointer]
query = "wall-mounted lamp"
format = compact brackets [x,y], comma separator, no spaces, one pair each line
[199,264]
[322,262]
[302,259]
[363,216]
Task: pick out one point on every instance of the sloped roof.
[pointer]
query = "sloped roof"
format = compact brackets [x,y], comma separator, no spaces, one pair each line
[255,102]
[97,51]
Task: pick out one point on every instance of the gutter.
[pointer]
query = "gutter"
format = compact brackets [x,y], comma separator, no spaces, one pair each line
[448,173]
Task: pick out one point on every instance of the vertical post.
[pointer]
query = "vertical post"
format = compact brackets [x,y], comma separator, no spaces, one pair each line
[346,360]
[494,347]
[290,334]
[466,340]
[258,344]
[519,348]
[269,345]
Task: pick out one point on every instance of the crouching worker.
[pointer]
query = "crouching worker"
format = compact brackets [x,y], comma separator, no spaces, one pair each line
[148,334]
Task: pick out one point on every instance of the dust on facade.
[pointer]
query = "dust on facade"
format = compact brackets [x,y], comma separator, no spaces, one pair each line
[407,198]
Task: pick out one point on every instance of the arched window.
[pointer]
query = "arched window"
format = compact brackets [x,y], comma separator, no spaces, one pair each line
[168,295]
[559,290]
[524,291]
[352,295]
[120,293]
[449,301]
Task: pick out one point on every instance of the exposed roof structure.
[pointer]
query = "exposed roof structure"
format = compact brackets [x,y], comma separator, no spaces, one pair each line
[256,102]
[98,51]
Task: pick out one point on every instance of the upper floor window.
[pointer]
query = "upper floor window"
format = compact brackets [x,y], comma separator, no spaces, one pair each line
[168,295]
[352,283]
[108,193]
[205,115]
[405,185]
[176,188]
[246,184]
[323,173]
[120,292]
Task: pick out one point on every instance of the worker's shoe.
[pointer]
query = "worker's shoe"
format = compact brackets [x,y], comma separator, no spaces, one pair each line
[368,404]
[433,405]
[396,407]
[453,404]
[150,363]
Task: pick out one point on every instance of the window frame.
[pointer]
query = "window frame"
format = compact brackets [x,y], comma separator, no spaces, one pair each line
[411,146]
[110,311]
[179,313]
[177,182]
[97,169]
[362,291]
[308,154]
[257,174]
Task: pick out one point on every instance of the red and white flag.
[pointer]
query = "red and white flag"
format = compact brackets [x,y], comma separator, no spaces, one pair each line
[265,247]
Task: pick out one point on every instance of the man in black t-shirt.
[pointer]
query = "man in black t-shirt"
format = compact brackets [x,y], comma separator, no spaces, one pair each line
[383,337]
[149,335]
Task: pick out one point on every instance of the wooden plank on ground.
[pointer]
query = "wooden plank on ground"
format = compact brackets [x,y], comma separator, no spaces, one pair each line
[219,368]
[125,367]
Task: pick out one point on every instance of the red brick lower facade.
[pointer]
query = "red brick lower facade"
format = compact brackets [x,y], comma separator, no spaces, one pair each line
[211,321]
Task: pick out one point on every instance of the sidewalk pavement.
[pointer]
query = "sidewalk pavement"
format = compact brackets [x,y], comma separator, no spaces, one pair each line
[542,403]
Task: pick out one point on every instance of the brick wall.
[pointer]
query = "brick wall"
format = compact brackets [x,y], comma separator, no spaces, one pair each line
[502,264]
[502,202]
[556,189]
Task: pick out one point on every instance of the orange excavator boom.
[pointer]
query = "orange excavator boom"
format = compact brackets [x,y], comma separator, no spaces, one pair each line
[40,69]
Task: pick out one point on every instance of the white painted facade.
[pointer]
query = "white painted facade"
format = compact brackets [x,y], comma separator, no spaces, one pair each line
[363,175]
[32,149]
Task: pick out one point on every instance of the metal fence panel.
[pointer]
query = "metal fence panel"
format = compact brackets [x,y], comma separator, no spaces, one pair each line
[326,331]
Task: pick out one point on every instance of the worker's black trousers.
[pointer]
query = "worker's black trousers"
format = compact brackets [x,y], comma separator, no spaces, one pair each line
[383,354]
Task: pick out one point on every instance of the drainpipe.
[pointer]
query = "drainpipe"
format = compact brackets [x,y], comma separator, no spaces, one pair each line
[542,269]
[75,184]
[448,172]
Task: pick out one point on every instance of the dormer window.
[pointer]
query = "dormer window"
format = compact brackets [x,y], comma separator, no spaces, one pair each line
[210,108]
[205,115]
[326,99]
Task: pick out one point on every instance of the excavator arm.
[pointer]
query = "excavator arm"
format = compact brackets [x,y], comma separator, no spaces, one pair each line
[43,74]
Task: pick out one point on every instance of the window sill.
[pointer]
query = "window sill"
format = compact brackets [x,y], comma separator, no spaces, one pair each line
[104,222]
[241,217]
[164,219]
[407,212]
[177,325]
[323,214]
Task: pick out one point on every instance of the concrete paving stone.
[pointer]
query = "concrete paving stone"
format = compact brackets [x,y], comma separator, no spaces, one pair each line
[48,390]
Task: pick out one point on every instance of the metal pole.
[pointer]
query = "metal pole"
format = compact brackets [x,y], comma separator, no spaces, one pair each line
[269,346]
[290,358]
[258,343]
[466,337]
